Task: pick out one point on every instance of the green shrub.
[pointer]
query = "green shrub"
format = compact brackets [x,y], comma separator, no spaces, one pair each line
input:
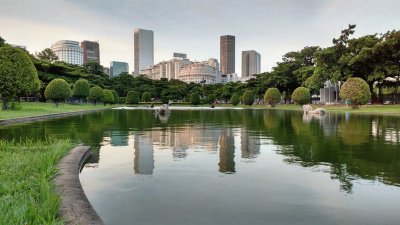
[132,97]
[272,96]
[16,106]
[195,99]
[81,89]
[356,90]
[121,100]
[58,90]
[108,97]
[301,95]
[164,99]
[146,97]
[115,95]
[248,97]
[235,99]
[18,75]
[211,99]
[96,94]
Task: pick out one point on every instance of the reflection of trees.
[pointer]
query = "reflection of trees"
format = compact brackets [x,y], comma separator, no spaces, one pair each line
[354,131]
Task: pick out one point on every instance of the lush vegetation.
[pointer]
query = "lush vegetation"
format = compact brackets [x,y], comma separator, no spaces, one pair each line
[272,96]
[108,97]
[235,99]
[356,91]
[58,90]
[27,170]
[301,96]
[132,97]
[248,97]
[146,97]
[81,89]
[195,99]
[96,94]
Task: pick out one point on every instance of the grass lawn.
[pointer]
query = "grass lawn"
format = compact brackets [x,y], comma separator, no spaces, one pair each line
[27,192]
[44,108]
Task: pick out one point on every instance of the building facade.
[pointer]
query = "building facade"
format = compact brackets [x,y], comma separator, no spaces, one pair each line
[200,72]
[68,51]
[227,54]
[116,68]
[251,63]
[91,51]
[144,49]
[167,69]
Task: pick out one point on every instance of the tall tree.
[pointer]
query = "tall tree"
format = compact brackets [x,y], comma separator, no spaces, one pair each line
[47,55]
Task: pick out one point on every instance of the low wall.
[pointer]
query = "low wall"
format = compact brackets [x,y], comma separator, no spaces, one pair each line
[75,208]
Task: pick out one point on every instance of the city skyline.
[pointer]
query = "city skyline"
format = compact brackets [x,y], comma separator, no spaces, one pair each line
[273,29]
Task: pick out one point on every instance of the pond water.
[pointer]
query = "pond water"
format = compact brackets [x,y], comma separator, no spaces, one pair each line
[235,166]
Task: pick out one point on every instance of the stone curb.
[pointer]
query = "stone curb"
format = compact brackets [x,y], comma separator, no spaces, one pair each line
[74,205]
[5,122]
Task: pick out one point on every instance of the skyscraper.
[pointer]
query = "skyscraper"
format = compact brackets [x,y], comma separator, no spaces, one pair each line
[144,49]
[91,51]
[251,63]
[68,51]
[116,68]
[227,54]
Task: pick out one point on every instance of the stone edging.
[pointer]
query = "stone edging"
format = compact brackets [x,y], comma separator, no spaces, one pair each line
[74,205]
[5,122]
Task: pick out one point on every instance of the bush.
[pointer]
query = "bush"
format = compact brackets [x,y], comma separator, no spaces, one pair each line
[58,90]
[195,99]
[272,96]
[164,99]
[248,97]
[301,95]
[115,95]
[211,99]
[132,97]
[235,99]
[18,75]
[121,100]
[356,90]
[96,94]
[146,97]
[81,89]
[108,97]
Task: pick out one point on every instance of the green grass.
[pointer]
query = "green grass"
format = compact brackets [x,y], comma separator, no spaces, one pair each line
[44,108]
[27,169]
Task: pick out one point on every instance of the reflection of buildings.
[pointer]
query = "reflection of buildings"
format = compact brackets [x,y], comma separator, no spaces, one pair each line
[144,159]
[389,134]
[250,145]
[227,152]
[117,138]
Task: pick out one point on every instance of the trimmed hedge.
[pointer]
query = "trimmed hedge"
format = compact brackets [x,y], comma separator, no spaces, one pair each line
[146,97]
[248,97]
[301,95]
[272,96]
[195,99]
[115,95]
[235,99]
[132,98]
[356,90]
[96,94]
[58,90]
[108,97]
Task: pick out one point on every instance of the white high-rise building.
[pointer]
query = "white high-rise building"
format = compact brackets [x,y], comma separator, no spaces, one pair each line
[251,63]
[144,49]
[68,51]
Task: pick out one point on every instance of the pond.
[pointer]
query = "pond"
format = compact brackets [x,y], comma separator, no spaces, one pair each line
[250,166]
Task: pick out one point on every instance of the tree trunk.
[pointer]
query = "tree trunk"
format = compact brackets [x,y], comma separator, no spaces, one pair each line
[5,104]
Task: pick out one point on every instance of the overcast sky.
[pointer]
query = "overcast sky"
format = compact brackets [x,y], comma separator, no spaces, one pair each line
[193,26]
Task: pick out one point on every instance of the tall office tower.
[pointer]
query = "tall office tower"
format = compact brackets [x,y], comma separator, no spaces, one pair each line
[116,68]
[68,51]
[227,54]
[144,49]
[251,63]
[91,51]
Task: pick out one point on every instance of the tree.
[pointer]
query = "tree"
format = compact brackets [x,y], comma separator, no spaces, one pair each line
[248,97]
[272,96]
[211,98]
[301,95]
[116,97]
[356,90]
[81,89]
[108,97]
[58,90]
[18,75]
[47,55]
[235,99]
[195,99]
[146,97]
[96,94]
[2,41]
[132,97]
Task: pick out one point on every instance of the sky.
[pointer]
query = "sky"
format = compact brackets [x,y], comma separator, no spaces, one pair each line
[272,28]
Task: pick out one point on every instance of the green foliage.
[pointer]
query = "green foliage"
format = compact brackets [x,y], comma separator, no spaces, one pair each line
[248,97]
[58,90]
[272,96]
[27,170]
[356,90]
[108,97]
[47,55]
[146,97]
[2,41]
[235,99]
[164,99]
[132,97]
[16,106]
[96,94]
[116,97]
[301,96]
[81,89]
[18,75]
[211,98]
[121,100]
[195,99]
